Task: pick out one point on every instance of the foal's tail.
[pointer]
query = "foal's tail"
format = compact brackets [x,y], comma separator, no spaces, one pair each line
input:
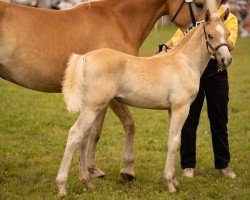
[73,83]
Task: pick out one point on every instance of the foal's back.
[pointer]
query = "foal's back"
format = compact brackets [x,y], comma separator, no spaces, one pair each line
[114,74]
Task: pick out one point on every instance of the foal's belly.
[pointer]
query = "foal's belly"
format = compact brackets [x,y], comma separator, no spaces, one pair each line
[147,101]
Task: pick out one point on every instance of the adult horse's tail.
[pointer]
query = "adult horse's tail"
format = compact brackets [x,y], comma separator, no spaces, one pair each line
[74,82]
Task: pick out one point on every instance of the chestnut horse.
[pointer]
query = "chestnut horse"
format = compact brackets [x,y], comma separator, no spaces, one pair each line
[35,45]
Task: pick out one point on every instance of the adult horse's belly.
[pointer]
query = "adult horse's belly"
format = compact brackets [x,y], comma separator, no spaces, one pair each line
[34,76]
[35,65]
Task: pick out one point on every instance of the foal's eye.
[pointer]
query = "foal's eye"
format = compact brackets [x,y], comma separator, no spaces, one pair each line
[210,36]
[200,6]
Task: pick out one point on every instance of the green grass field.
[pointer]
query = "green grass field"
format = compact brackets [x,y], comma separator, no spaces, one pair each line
[34,128]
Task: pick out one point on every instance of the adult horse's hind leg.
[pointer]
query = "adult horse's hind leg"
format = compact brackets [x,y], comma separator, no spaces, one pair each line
[122,111]
[78,136]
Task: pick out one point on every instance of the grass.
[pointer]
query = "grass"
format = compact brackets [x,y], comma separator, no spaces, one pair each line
[34,128]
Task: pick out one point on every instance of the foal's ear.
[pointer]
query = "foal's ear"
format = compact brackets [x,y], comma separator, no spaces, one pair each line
[225,15]
[207,16]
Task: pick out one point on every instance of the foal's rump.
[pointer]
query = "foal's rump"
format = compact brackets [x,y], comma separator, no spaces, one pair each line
[92,76]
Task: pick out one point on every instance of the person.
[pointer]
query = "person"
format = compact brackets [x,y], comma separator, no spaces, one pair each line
[213,86]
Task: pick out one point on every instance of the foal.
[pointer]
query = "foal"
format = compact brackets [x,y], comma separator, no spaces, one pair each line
[166,81]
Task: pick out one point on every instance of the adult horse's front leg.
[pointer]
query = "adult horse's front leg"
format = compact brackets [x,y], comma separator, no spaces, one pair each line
[122,111]
[177,119]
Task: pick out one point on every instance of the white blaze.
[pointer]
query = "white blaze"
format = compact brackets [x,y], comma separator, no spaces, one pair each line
[220,29]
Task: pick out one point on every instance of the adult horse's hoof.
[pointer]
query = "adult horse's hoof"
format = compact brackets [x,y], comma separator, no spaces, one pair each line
[96,173]
[127,174]
[127,177]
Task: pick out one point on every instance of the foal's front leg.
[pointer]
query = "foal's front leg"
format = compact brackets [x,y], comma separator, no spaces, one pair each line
[177,119]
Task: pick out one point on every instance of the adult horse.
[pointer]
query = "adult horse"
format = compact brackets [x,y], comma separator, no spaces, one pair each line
[35,45]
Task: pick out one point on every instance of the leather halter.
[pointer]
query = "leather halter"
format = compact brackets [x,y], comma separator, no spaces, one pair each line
[189,2]
[214,49]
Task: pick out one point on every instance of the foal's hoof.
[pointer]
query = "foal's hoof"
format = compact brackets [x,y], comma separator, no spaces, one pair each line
[62,193]
[90,185]
[175,182]
[172,190]
[171,184]
[61,189]
[96,173]
[127,174]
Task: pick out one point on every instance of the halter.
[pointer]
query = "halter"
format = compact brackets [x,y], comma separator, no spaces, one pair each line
[190,10]
[214,49]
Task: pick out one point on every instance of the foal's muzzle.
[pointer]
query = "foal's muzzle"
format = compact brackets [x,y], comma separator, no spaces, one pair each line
[223,57]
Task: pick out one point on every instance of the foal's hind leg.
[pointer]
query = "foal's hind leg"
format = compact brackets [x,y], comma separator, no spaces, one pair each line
[126,118]
[122,111]
[94,136]
[78,136]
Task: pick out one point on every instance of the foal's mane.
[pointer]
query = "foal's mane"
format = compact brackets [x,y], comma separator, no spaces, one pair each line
[185,39]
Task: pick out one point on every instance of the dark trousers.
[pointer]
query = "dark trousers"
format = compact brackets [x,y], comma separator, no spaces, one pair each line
[213,86]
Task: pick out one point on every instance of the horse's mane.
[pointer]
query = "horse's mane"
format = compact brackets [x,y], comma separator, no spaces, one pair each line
[185,39]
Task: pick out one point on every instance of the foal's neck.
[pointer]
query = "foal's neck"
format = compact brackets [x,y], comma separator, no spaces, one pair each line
[138,17]
[192,48]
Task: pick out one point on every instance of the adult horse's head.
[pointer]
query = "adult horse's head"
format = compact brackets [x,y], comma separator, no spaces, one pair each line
[217,34]
[185,13]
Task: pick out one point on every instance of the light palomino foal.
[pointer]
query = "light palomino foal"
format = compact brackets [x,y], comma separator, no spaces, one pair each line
[35,45]
[166,81]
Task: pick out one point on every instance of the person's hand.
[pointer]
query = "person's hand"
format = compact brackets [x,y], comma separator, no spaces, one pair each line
[165,47]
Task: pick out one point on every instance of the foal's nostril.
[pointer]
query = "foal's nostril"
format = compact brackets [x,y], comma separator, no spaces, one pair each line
[223,60]
[230,60]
